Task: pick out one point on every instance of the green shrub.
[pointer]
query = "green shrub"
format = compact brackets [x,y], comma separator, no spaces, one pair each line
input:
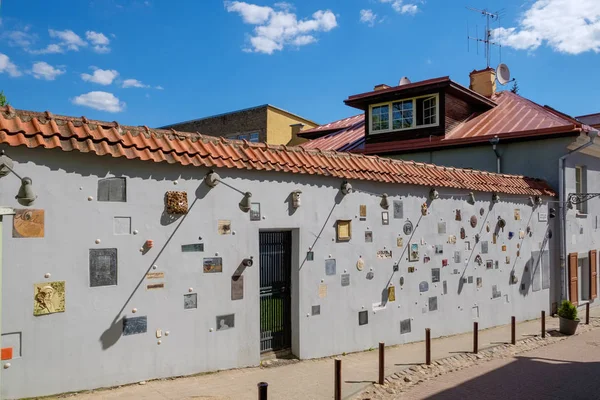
[567,310]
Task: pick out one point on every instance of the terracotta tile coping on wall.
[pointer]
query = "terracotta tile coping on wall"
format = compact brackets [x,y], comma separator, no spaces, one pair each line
[43,129]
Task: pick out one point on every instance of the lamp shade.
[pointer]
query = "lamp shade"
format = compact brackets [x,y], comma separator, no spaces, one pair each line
[245,204]
[384,201]
[26,197]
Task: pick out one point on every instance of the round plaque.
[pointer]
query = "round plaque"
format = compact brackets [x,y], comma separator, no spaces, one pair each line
[481,211]
[408,228]
[360,264]
[401,281]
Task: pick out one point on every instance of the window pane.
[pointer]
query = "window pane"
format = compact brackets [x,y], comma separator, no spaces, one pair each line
[242,137]
[254,137]
[380,118]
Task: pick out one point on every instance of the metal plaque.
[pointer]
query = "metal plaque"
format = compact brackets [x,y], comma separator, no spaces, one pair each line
[237,287]
[457,257]
[470,279]
[310,256]
[495,292]
[370,275]
[48,298]
[433,305]
[404,326]
[254,212]
[345,279]
[407,228]
[368,237]
[435,275]
[543,216]
[188,248]
[398,209]
[112,189]
[155,275]
[423,286]
[330,266]
[28,224]
[484,247]
[103,267]
[316,310]
[363,211]
[134,325]
[155,286]
[213,264]
[225,322]
[363,317]
[190,301]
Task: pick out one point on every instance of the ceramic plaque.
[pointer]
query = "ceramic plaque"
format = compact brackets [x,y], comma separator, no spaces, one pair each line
[225,322]
[155,275]
[224,227]
[451,239]
[237,287]
[190,248]
[368,237]
[398,209]
[310,256]
[413,255]
[441,228]
[385,218]
[384,254]
[423,286]
[315,310]
[363,317]
[134,325]
[433,305]
[473,221]
[330,265]
[495,292]
[484,247]
[445,287]
[360,264]
[322,291]
[48,298]
[190,301]
[399,242]
[458,215]
[363,211]
[479,282]
[517,214]
[407,228]
[28,224]
[103,267]
[470,279]
[435,275]
[543,217]
[254,212]
[370,275]
[489,264]
[155,286]
[457,257]
[212,265]
[345,279]
[343,230]
[404,326]
[439,249]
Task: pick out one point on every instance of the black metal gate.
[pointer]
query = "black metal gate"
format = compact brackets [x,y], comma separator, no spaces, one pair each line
[275,299]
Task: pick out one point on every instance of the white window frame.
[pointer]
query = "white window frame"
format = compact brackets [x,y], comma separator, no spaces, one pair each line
[581,186]
[414,121]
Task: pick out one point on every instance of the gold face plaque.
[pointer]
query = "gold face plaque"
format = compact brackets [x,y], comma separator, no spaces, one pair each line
[344,230]
[28,224]
[48,298]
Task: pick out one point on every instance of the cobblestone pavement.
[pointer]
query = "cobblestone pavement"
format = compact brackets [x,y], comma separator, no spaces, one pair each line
[555,369]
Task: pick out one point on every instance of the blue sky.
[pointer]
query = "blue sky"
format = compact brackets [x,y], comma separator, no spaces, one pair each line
[159,62]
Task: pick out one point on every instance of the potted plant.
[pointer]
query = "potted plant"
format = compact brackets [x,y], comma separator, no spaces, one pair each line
[567,314]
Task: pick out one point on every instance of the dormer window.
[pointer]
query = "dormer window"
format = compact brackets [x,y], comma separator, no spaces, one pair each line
[417,112]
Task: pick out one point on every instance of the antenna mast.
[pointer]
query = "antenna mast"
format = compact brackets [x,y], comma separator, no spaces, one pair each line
[487,36]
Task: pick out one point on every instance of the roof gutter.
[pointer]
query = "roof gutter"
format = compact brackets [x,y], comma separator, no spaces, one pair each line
[563,213]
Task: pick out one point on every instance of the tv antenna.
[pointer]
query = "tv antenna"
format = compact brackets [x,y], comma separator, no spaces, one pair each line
[487,35]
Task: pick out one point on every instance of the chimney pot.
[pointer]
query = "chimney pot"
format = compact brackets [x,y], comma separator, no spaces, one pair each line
[483,82]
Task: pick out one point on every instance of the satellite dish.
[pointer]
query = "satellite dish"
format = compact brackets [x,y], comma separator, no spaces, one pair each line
[404,81]
[503,74]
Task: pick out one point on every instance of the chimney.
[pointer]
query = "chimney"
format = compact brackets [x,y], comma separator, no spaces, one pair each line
[381,87]
[483,82]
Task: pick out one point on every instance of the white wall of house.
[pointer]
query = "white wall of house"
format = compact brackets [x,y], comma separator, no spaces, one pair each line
[83,347]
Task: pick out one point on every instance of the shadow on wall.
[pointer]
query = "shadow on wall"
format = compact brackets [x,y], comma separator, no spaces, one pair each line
[531,378]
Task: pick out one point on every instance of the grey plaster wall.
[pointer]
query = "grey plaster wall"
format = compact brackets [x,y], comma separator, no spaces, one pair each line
[537,159]
[83,348]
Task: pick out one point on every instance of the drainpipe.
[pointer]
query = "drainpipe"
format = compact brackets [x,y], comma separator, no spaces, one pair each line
[562,212]
[494,143]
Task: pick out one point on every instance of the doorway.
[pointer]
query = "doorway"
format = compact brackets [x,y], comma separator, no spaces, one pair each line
[275,290]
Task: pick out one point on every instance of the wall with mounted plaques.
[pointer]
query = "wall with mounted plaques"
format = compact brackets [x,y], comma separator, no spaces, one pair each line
[164,282]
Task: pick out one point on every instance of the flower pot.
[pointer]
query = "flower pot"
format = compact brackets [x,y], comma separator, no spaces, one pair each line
[568,326]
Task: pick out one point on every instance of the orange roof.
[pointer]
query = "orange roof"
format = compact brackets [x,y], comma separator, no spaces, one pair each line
[36,129]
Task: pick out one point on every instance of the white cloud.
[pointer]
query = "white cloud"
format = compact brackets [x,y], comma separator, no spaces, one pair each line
[368,17]
[21,38]
[567,26]
[50,49]
[68,38]
[100,76]
[6,66]
[43,70]
[102,101]
[400,7]
[279,27]
[99,41]
[133,83]
[159,87]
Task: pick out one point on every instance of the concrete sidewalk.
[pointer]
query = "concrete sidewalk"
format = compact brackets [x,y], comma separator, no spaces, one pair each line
[313,379]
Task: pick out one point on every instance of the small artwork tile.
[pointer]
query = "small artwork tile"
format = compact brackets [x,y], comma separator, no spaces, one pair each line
[368,237]
[103,267]
[384,254]
[433,304]
[435,275]
[442,228]
[48,298]
[489,264]
[470,279]
[362,211]
[310,256]
[192,248]
[212,265]
[411,270]
[370,275]
[190,301]
[6,353]
[439,249]
[407,228]
[444,263]
[398,209]
[457,257]
[225,322]
[517,214]
[399,242]
[134,325]
[28,224]
[404,326]
[177,202]
[385,218]
[479,282]
[322,291]
[254,212]
[224,227]
[345,279]
[458,215]
[316,310]
[122,225]
[423,286]
[495,292]
[484,247]
[445,287]
[363,317]
[330,266]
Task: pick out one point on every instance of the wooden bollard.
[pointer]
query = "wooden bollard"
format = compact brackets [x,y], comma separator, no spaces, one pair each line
[427,346]
[337,392]
[543,324]
[587,313]
[513,330]
[475,337]
[381,362]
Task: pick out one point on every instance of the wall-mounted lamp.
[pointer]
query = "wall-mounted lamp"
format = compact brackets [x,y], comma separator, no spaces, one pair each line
[434,194]
[495,198]
[212,179]
[247,262]
[296,198]
[384,201]
[539,200]
[531,201]
[471,198]
[346,187]
[25,195]
[245,204]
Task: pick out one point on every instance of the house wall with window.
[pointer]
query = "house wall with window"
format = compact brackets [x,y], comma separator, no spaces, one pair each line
[444,280]
[283,127]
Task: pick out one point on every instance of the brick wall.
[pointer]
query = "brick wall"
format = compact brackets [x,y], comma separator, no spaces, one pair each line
[245,121]
[457,110]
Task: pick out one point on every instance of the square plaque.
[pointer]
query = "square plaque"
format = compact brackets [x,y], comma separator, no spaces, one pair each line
[330,266]
[190,301]
[363,317]
[316,310]
[404,326]
[103,267]
[345,279]
[134,325]
[433,303]
[225,322]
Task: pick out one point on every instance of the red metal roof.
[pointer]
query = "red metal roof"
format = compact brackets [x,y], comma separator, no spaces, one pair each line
[336,125]
[346,139]
[36,129]
[590,119]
